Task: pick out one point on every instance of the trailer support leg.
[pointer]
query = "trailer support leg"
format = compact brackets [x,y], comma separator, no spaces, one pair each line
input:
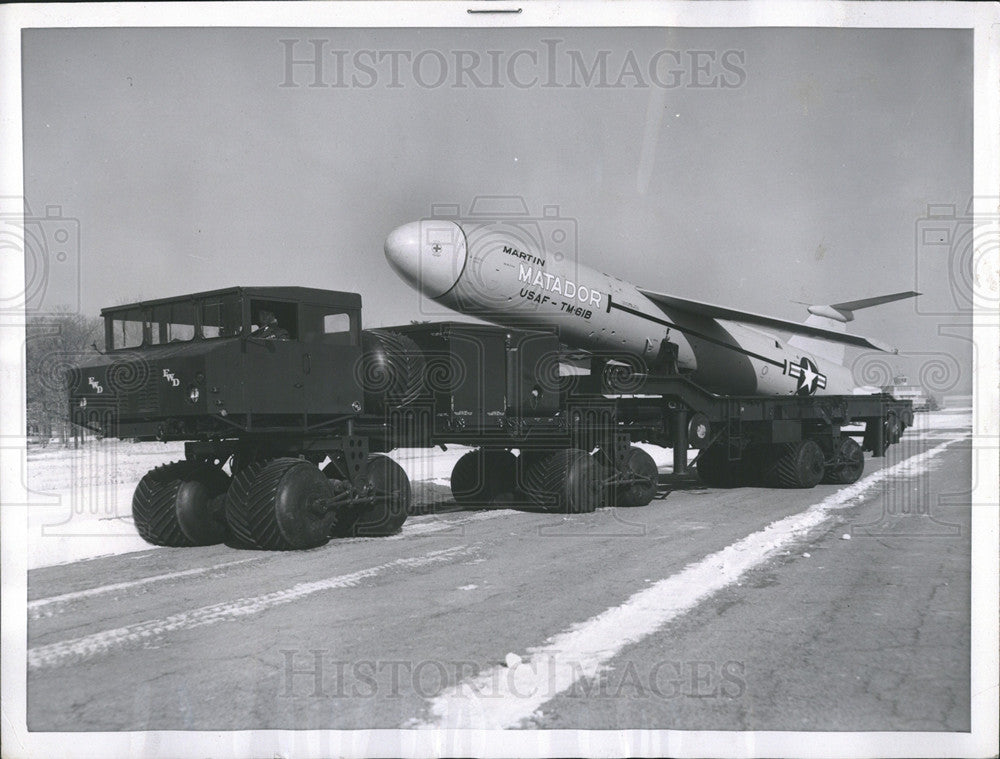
[680,442]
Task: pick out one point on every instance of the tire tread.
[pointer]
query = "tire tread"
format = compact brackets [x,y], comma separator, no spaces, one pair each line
[154,503]
[250,505]
[545,481]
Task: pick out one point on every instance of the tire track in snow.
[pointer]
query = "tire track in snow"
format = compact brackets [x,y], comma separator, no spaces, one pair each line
[47,607]
[99,643]
[52,605]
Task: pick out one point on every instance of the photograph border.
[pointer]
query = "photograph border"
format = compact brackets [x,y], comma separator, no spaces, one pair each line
[982,18]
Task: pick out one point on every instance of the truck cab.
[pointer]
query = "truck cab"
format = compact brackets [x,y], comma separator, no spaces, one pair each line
[237,360]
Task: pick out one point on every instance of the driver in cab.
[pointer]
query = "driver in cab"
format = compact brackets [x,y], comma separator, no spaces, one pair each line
[269,329]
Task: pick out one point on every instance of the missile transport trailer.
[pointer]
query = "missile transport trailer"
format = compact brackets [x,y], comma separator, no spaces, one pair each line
[287,409]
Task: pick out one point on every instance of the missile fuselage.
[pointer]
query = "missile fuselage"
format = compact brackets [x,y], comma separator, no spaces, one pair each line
[494,272]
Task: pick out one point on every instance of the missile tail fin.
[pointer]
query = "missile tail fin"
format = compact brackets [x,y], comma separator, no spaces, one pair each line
[831,351]
[878,300]
[834,317]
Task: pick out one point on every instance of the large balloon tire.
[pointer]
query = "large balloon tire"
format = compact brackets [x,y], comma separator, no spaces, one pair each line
[567,481]
[797,465]
[269,505]
[180,504]
[388,482]
[638,464]
[715,469]
[480,476]
[393,368]
[849,465]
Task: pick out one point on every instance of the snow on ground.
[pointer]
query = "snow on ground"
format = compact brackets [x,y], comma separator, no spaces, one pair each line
[431,464]
[80,500]
[953,419]
[946,419]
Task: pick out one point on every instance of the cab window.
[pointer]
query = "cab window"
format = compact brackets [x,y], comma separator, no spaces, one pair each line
[329,325]
[172,323]
[126,330]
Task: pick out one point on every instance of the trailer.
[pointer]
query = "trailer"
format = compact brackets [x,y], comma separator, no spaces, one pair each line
[287,408]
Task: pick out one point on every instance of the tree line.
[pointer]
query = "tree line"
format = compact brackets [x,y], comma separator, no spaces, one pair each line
[55,346]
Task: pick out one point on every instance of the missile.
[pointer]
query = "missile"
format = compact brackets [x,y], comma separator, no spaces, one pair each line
[501,271]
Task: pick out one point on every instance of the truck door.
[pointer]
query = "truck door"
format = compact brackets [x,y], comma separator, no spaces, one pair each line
[331,341]
[273,365]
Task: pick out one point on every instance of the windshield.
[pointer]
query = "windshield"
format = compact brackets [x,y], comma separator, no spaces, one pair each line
[126,329]
[181,321]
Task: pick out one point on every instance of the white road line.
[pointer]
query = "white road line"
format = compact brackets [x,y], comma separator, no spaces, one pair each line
[45,607]
[101,642]
[40,607]
[503,698]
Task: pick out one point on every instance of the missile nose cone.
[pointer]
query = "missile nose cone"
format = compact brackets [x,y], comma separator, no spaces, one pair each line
[429,255]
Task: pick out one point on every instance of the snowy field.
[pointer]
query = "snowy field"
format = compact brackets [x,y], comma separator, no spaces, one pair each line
[80,500]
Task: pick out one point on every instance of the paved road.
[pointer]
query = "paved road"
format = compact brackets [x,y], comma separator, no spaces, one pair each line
[691,613]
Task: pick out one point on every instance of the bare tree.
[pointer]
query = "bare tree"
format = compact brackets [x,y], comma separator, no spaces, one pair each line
[55,346]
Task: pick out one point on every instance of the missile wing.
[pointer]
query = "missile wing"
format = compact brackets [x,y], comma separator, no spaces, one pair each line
[712,311]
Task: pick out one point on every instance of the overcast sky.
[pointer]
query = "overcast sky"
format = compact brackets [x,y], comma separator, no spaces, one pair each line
[799,171]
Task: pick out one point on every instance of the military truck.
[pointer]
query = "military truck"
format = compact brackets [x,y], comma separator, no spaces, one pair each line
[287,408]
